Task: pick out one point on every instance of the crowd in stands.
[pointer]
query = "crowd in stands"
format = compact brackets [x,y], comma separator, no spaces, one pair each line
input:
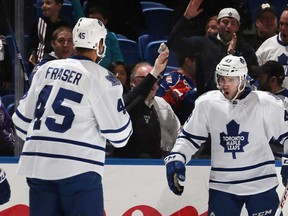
[199,36]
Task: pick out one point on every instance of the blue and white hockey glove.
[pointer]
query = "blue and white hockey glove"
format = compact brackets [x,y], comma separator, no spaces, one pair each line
[284,169]
[5,192]
[175,171]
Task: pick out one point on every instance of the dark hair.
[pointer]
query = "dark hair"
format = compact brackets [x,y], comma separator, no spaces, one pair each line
[182,56]
[101,10]
[273,68]
[60,1]
[115,64]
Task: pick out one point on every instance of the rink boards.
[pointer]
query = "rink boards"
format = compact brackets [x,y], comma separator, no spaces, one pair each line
[133,188]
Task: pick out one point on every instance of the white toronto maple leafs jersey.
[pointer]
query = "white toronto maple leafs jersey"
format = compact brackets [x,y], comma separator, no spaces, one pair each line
[274,49]
[71,108]
[242,162]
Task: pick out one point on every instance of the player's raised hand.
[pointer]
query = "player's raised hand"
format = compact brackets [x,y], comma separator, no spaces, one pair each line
[5,191]
[161,61]
[175,171]
[193,9]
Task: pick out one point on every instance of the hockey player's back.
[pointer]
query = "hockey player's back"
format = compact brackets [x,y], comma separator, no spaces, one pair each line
[65,123]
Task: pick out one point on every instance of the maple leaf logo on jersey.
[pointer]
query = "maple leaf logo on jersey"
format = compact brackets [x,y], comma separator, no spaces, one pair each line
[283,59]
[111,78]
[233,141]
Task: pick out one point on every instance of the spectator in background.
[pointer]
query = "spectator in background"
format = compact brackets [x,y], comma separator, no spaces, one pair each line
[6,68]
[178,88]
[42,30]
[126,16]
[266,25]
[113,52]
[155,125]
[120,70]
[212,26]
[212,48]
[275,48]
[62,43]
[7,140]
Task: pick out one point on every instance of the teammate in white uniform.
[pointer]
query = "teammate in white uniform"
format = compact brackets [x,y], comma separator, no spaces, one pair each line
[71,108]
[241,123]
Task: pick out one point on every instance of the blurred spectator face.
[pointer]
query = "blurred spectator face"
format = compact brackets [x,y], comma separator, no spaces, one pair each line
[267,24]
[283,26]
[63,45]
[190,67]
[264,82]
[50,8]
[141,73]
[98,16]
[121,73]
[227,27]
[212,27]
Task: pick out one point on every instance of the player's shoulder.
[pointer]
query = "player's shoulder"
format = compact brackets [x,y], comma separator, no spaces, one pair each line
[266,97]
[210,96]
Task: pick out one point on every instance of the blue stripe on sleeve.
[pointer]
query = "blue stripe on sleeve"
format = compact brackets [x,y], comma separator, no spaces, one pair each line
[20,129]
[123,140]
[23,118]
[116,130]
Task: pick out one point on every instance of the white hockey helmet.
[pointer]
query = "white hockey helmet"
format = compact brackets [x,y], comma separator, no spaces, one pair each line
[232,66]
[88,32]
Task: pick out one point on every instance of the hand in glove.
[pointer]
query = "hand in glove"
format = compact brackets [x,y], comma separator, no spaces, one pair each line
[284,169]
[175,171]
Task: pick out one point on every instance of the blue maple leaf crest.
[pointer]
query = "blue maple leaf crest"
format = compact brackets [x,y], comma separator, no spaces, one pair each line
[233,141]
[111,78]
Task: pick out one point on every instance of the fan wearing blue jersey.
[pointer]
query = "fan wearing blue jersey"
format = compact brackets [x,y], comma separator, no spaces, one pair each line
[241,123]
[65,123]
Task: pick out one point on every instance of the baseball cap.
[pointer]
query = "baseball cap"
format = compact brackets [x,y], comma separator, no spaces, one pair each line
[265,7]
[229,12]
[272,68]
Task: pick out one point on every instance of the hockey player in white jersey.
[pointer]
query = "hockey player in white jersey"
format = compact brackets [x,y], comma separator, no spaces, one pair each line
[71,108]
[241,123]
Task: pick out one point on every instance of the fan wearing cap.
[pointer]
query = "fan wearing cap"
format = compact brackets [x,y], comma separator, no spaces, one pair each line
[241,123]
[275,48]
[266,25]
[212,48]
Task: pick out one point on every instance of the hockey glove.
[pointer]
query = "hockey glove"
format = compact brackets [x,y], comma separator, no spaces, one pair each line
[175,171]
[284,169]
[5,192]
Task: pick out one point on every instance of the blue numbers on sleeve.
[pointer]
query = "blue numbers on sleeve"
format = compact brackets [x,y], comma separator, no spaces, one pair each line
[58,108]
[286,115]
[120,106]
